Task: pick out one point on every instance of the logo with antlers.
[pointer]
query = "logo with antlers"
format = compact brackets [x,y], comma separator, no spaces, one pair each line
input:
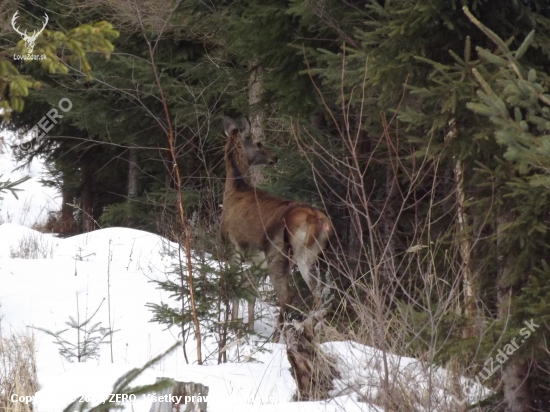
[30,39]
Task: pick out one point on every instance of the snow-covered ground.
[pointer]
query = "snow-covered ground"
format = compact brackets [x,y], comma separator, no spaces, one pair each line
[74,276]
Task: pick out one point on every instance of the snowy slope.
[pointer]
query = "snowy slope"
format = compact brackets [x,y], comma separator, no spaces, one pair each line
[44,292]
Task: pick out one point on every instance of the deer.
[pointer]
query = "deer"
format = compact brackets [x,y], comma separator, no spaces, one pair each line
[279,233]
[30,40]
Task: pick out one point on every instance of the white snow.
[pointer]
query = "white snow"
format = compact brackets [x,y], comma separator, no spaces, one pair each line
[35,200]
[45,292]
[73,276]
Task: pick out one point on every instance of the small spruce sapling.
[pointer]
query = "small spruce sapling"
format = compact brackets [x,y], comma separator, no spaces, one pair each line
[90,336]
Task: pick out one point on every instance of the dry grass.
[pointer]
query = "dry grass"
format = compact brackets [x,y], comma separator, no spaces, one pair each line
[17,370]
[33,247]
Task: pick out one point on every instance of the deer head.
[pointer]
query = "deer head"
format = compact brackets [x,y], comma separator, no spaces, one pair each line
[30,39]
[256,152]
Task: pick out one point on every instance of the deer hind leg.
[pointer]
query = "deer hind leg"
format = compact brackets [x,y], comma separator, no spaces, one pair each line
[305,256]
[305,261]
[258,262]
[279,272]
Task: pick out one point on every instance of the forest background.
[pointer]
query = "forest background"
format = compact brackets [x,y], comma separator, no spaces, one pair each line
[421,127]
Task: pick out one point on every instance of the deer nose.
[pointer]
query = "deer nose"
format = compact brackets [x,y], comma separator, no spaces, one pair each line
[273,161]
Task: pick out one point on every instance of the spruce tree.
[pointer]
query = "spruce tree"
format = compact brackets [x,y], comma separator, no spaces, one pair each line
[415,61]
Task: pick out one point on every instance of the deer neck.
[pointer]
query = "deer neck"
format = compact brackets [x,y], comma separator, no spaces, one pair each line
[236,166]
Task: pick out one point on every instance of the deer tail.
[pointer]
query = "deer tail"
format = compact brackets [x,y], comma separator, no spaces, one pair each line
[318,229]
[308,228]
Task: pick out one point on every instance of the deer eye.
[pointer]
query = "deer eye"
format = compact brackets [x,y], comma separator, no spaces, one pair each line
[259,145]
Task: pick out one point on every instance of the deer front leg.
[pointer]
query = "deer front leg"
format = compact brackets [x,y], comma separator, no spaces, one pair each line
[258,263]
[251,317]
[251,305]
[251,301]
[235,260]
[251,280]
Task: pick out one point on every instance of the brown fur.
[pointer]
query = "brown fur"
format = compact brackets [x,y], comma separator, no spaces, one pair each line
[284,231]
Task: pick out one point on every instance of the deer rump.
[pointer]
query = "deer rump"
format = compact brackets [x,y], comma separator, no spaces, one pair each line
[284,230]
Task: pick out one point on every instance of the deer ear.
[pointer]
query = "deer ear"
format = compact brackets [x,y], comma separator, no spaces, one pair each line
[229,126]
[245,127]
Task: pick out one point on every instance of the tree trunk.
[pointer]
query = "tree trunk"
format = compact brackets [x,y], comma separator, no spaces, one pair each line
[465,248]
[67,224]
[169,177]
[257,131]
[257,113]
[388,265]
[133,185]
[515,373]
[356,208]
[133,173]
[186,396]
[191,161]
[358,145]
[515,384]
[312,370]
[87,198]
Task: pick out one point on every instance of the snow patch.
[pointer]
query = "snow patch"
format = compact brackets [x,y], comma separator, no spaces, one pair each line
[34,201]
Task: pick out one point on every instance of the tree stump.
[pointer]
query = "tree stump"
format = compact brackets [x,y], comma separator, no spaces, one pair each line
[186,396]
[312,369]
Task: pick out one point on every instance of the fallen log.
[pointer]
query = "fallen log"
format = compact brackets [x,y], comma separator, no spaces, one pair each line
[312,369]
